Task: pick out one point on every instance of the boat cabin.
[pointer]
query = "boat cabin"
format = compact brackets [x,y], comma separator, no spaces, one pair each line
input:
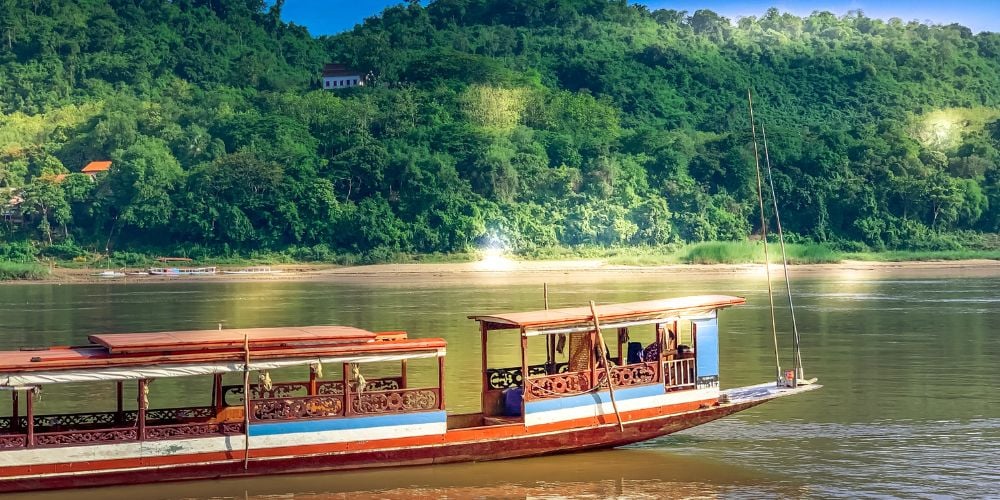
[647,349]
[331,372]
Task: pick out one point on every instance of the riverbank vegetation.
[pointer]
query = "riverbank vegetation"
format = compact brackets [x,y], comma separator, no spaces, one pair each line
[22,271]
[537,126]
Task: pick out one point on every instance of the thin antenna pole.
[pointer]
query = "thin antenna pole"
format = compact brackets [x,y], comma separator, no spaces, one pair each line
[763,232]
[796,350]
[246,398]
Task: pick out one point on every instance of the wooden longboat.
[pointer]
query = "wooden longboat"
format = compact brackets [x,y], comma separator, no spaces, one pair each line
[662,380]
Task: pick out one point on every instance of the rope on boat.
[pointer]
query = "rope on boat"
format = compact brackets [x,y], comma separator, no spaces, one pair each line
[607,368]
[796,351]
[763,231]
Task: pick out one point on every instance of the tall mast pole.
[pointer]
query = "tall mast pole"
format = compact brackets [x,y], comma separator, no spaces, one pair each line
[763,232]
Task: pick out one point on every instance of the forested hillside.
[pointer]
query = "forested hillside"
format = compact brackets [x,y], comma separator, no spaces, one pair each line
[538,123]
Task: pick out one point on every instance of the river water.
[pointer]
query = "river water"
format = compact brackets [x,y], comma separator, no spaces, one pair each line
[909,407]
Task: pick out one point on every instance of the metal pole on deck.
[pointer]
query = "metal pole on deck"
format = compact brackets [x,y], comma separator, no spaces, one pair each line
[763,233]
[246,400]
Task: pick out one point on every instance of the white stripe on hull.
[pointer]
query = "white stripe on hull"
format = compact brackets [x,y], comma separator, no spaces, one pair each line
[347,435]
[145,449]
[596,410]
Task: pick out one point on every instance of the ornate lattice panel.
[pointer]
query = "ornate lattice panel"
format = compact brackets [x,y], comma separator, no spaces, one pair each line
[292,408]
[562,384]
[394,401]
[85,437]
[635,374]
[12,441]
[504,378]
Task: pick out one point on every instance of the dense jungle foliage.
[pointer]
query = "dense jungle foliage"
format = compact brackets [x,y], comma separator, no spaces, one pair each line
[535,123]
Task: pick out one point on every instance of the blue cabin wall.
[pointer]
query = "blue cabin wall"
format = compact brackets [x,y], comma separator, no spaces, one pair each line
[707,352]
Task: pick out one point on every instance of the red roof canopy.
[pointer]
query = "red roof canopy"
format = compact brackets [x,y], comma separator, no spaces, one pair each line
[208,346]
[631,311]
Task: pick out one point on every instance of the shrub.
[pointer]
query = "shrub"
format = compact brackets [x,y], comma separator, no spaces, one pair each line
[65,251]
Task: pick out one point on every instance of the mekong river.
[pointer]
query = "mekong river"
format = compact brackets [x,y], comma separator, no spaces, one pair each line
[910,368]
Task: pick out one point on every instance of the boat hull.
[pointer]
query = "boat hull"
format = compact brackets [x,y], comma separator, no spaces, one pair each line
[482,443]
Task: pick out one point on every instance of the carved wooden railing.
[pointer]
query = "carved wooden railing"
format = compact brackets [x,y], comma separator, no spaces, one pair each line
[12,441]
[395,401]
[558,385]
[301,389]
[179,431]
[105,420]
[86,437]
[505,378]
[99,427]
[78,421]
[634,374]
[296,408]
[573,383]
[679,373]
[178,415]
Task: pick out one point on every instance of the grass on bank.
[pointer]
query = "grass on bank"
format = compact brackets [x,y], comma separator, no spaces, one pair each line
[915,255]
[22,271]
[729,252]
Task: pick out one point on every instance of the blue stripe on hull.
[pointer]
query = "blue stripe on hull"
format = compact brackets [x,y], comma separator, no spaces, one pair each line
[595,398]
[336,424]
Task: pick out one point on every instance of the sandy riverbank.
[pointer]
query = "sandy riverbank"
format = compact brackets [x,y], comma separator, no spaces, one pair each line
[538,271]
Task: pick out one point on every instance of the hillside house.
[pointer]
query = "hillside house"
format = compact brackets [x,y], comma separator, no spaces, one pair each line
[338,76]
[95,167]
[10,209]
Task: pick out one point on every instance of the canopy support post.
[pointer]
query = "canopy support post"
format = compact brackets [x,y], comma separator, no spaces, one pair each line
[524,369]
[218,397]
[440,381]
[486,377]
[29,410]
[14,421]
[140,418]
[347,388]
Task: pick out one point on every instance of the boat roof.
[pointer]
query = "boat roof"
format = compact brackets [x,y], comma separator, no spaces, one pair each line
[610,315]
[123,356]
[257,338]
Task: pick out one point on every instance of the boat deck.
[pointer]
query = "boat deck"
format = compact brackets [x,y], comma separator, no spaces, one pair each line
[764,392]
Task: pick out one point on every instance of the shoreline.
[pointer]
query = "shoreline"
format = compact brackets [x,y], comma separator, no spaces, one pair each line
[530,271]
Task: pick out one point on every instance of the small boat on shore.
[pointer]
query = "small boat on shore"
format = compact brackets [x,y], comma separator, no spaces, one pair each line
[182,271]
[109,274]
[663,377]
[254,270]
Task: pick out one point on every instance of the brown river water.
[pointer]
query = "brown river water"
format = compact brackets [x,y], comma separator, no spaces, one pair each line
[909,408]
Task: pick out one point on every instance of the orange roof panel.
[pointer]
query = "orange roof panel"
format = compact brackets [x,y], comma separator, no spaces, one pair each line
[207,346]
[200,340]
[97,166]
